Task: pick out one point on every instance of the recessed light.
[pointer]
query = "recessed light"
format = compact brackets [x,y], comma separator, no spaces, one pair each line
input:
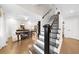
[26,18]
[29,23]
[71,11]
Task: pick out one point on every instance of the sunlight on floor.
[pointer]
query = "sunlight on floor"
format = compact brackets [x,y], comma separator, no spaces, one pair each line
[21,47]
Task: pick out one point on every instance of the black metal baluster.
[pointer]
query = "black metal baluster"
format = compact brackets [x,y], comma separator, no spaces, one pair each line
[58,18]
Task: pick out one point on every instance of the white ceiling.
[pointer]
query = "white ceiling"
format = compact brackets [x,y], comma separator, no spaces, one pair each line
[26,9]
[68,10]
[34,11]
[39,9]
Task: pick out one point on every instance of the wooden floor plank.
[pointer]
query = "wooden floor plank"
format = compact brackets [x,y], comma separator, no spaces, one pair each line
[70,46]
[21,47]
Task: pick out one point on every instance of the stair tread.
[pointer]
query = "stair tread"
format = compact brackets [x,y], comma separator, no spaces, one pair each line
[41,50]
[52,35]
[54,43]
[50,39]
[38,50]
[40,44]
[52,31]
[42,38]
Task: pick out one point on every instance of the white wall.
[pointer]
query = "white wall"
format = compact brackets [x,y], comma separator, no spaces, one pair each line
[70,15]
[71,28]
[3,36]
[12,24]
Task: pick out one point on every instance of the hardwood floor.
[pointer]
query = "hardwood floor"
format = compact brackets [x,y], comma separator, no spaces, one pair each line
[70,46]
[21,47]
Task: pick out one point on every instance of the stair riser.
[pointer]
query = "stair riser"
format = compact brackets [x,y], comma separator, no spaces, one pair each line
[38,50]
[53,50]
[52,42]
[53,36]
[52,31]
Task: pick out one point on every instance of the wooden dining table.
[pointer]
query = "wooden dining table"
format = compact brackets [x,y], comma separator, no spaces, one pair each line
[21,33]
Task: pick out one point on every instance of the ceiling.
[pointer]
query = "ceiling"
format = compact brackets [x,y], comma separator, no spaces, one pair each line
[36,11]
[32,11]
[26,9]
[68,10]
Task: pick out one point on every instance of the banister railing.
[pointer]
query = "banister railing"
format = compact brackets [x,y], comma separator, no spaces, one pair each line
[56,18]
[47,13]
[47,30]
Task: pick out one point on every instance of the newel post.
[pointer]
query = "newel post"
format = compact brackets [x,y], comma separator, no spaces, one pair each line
[46,38]
[39,27]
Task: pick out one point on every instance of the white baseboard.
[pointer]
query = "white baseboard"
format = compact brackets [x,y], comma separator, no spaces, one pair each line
[3,46]
[72,38]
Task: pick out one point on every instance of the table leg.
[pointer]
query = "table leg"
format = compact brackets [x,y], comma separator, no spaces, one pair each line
[18,37]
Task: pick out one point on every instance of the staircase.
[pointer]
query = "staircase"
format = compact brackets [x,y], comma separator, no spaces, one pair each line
[52,44]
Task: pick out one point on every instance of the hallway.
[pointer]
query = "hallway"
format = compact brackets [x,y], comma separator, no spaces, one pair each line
[21,47]
[49,21]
